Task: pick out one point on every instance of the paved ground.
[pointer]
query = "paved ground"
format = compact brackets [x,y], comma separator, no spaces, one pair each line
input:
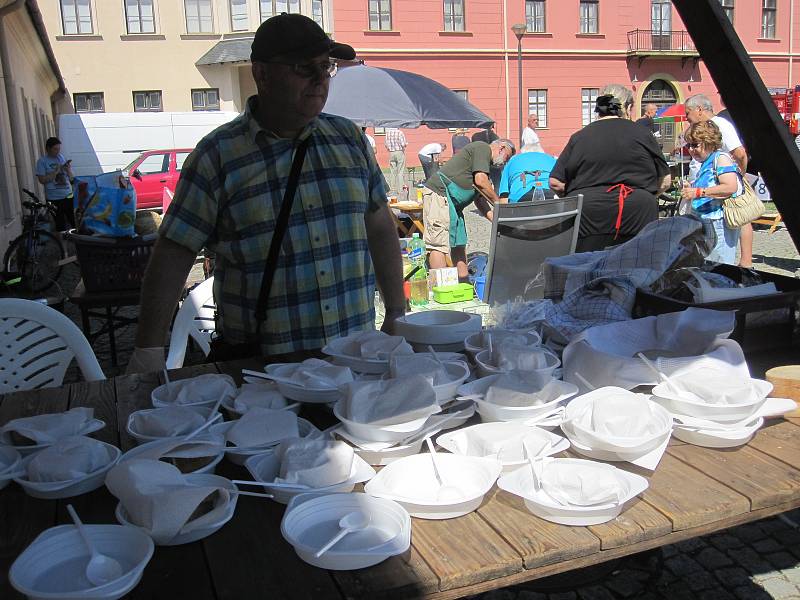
[751,562]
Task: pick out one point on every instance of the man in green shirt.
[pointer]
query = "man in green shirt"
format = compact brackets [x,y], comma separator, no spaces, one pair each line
[450,190]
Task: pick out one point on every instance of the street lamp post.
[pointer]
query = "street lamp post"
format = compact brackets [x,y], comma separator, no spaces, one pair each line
[519,30]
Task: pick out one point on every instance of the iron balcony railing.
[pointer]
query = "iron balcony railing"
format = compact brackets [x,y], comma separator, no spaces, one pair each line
[654,41]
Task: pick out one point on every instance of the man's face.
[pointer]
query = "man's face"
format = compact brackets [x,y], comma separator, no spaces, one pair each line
[650,111]
[54,150]
[500,155]
[296,89]
[696,115]
[533,121]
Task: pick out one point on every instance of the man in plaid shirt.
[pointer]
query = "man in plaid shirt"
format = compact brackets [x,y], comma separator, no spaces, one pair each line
[395,142]
[230,193]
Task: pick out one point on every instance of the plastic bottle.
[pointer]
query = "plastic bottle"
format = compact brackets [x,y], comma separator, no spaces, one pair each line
[404,194]
[538,192]
[419,280]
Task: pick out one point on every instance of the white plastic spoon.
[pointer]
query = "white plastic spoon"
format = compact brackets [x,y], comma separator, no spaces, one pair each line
[435,356]
[532,460]
[446,492]
[654,369]
[293,486]
[259,374]
[585,383]
[204,426]
[254,494]
[101,568]
[686,421]
[351,522]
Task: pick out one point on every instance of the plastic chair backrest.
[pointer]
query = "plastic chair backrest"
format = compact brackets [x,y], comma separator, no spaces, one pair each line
[37,344]
[523,235]
[195,318]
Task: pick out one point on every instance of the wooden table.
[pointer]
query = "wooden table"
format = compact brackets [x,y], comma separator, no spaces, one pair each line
[414,212]
[693,492]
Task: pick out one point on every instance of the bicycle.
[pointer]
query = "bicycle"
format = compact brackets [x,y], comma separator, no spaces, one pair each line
[36,256]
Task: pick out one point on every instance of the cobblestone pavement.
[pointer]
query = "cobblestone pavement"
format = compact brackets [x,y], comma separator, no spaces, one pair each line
[751,562]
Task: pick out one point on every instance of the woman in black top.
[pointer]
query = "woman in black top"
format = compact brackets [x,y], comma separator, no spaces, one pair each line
[618,167]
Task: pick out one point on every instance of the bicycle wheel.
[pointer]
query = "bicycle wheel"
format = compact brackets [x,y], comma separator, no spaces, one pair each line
[35,256]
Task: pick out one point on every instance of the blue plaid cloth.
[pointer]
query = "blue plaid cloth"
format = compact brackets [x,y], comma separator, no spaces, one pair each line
[228,199]
[596,288]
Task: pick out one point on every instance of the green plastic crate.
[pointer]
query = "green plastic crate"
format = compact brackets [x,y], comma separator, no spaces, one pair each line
[447,294]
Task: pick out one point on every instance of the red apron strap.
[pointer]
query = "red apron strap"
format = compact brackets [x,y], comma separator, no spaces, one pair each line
[624,192]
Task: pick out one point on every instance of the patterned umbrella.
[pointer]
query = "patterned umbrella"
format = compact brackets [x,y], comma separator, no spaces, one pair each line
[670,114]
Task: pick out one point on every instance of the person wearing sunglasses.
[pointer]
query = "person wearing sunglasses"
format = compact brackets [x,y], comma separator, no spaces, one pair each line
[716,179]
[282,301]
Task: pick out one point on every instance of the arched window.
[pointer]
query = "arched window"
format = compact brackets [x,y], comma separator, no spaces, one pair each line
[661,93]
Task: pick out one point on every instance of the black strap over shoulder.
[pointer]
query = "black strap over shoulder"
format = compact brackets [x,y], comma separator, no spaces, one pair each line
[281,225]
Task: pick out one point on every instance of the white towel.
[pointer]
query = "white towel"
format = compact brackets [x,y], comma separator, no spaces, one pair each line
[68,459]
[315,463]
[390,401]
[157,497]
[582,484]
[262,395]
[519,388]
[46,428]
[262,426]
[168,421]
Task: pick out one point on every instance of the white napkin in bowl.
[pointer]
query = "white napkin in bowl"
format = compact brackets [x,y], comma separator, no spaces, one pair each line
[168,421]
[68,459]
[260,395]
[390,401]
[190,455]
[262,426]
[510,354]
[46,428]
[519,388]
[401,367]
[495,442]
[315,463]
[583,483]
[621,415]
[711,386]
[201,389]
[501,335]
[157,497]
[375,345]
[320,374]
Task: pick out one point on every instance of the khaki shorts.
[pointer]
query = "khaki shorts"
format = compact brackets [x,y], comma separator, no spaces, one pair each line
[436,218]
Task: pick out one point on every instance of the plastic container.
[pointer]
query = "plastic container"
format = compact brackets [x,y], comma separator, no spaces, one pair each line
[238,457]
[438,327]
[723,413]
[383,433]
[88,427]
[209,467]
[480,286]
[53,566]
[712,438]
[453,293]
[419,280]
[311,520]
[538,192]
[555,395]
[486,368]
[141,438]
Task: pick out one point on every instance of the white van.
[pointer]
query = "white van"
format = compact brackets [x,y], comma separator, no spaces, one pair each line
[102,142]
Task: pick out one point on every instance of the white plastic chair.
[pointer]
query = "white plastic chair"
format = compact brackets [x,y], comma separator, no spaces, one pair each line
[37,344]
[195,318]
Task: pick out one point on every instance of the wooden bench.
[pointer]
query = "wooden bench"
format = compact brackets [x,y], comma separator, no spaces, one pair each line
[773,220]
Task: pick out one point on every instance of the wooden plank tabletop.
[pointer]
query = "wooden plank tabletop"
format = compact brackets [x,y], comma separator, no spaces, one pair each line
[694,491]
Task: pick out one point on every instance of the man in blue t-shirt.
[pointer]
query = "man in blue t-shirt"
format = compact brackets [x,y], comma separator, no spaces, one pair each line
[521,174]
[55,174]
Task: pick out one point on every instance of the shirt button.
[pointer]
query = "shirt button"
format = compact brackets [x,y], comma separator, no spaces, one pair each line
[316,239]
[327,307]
[322,272]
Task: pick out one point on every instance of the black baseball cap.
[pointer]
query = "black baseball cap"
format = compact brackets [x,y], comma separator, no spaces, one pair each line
[295,36]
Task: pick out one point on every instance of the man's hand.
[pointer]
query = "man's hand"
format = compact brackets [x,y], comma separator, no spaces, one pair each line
[391,315]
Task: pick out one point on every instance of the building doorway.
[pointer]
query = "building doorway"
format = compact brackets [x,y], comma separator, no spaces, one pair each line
[661,93]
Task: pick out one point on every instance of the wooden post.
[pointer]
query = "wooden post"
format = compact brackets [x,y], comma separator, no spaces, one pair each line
[764,133]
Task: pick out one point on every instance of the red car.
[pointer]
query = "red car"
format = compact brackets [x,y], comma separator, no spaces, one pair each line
[154,170]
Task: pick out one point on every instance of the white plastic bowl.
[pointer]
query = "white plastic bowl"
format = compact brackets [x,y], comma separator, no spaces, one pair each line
[232,413]
[53,490]
[520,483]
[473,345]
[384,457]
[411,481]
[208,468]
[722,413]
[457,372]
[90,426]
[311,520]
[163,394]
[559,392]
[238,457]
[190,533]
[383,433]
[710,438]
[52,566]
[456,441]
[438,327]
[356,363]
[203,411]
[10,465]
[299,392]
[266,468]
[486,368]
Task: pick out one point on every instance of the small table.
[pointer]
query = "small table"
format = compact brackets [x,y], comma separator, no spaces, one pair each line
[414,212]
[88,301]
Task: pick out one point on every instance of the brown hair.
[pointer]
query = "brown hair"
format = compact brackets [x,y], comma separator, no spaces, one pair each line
[706,133]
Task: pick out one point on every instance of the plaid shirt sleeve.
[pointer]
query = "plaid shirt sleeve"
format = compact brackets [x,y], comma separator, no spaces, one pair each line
[192,215]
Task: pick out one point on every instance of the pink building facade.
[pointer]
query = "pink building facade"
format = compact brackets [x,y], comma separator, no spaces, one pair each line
[571,49]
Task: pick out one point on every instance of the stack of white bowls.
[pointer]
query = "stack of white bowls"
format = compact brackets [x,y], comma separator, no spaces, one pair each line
[445,330]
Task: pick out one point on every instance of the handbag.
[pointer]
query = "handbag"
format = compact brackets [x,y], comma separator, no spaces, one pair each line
[742,209]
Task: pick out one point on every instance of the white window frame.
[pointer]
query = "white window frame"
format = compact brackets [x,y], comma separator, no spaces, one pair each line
[192,9]
[538,106]
[277,7]
[588,101]
[535,22]
[147,96]
[589,23]
[205,106]
[240,15]
[138,18]
[75,5]
[452,16]
[89,96]
[769,19]
[377,16]
[728,8]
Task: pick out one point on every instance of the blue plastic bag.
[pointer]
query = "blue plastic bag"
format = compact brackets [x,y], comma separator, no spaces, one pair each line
[106,208]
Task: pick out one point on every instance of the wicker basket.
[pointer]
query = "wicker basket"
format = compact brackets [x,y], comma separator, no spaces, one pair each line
[111,264]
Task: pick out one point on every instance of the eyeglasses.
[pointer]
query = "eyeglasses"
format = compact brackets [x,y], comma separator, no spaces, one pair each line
[309,70]
[693,145]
